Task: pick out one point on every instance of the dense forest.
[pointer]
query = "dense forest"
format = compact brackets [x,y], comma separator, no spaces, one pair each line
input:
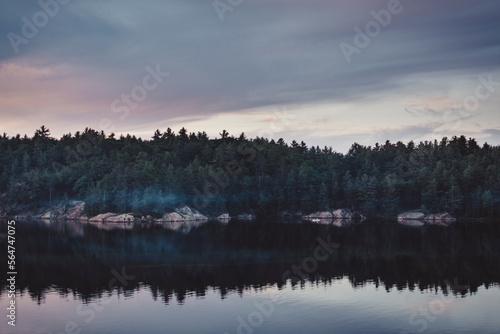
[238,174]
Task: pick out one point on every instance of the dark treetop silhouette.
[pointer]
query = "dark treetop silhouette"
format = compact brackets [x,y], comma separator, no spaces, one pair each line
[236,174]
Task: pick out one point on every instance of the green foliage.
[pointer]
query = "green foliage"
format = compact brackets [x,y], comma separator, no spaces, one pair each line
[237,174]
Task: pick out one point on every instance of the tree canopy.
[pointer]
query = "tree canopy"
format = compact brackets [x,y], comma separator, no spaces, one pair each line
[237,174]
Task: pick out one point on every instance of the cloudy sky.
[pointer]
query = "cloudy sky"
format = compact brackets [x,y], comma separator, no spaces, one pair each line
[325,72]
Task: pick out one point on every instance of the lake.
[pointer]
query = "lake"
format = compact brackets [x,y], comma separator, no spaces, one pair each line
[254,277]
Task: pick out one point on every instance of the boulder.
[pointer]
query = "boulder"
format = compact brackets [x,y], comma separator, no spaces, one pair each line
[443,218]
[54,213]
[330,221]
[440,218]
[224,217]
[340,214]
[411,215]
[171,217]
[190,214]
[182,214]
[47,215]
[346,214]
[102,217]
[74,210]
[318,215]
[120,218]
[83,218]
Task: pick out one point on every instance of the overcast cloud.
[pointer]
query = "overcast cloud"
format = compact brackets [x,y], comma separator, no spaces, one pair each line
[410,82]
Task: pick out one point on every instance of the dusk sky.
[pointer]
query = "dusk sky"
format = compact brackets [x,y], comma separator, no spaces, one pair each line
[325,72]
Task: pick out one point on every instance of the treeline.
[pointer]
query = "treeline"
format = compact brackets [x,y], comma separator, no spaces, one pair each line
[237,174]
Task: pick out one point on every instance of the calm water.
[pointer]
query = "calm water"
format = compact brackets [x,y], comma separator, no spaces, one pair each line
[261,277]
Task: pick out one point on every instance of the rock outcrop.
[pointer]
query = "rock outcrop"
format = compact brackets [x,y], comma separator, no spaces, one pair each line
[47,215]
[72,211]
[102,217]
[331,221]
[412,217]
[110,217]
[340,214]
[347,214]
[120,218]
[444,217]
[190,214]
[172,217]
[319,215]
[75,211]
[225,217]
[182,214]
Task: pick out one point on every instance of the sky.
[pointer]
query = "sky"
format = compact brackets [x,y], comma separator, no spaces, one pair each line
[329,73]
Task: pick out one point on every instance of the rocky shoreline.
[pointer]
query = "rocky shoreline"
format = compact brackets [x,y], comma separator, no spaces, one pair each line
[74,211]
[339,214]
[419,218]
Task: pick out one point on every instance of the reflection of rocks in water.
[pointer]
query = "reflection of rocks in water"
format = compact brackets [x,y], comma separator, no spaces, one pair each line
[224,218]
[331,221]
[411,222]
[182,226]
[324,221]
[177,226]
[341,222]
[71,228]
[444,219]
[109,226]
[442,222]
[239,256]
[246,216]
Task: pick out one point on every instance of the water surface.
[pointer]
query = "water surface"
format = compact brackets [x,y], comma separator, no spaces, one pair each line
[256,277]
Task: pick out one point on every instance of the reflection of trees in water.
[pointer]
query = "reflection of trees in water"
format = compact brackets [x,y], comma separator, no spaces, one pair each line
[236,257]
